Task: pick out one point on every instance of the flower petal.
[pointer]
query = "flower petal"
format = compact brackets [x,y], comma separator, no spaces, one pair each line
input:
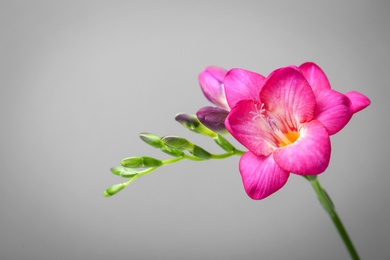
[213,118]
[261,175]
[309,154]
[358,101]
[211,83]
[246,126]
[288,97]
[241,85]
[333,109]
[315,76]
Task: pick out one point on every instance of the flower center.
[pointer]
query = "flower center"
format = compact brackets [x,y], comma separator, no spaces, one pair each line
[282,136]
[291,137]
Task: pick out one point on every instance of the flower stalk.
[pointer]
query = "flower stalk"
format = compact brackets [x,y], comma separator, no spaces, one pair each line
[327,204]
[178,147]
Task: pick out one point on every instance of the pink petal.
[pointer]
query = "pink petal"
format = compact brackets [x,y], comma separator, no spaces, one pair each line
[245,125]
[309,154]
[288,97]
[358,101]
[241,85]
[261,176]
[211,82]
[332,109]
[315,76]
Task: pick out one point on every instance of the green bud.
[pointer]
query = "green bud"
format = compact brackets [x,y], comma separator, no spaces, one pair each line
[152,140]
[172,151]
[124,171]
[114,189]
[200,152]
[192,123]
[188,121]
[176,142]
[151,162]
[141,162]
[223,143]
[132,162]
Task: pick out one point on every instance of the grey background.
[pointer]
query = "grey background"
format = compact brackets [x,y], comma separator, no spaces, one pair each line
[81,79]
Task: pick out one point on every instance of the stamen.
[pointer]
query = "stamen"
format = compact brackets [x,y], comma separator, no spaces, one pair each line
[282,138]
[259,113]
[273,124]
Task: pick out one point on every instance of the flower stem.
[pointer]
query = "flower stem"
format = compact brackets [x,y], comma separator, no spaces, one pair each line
[329,207]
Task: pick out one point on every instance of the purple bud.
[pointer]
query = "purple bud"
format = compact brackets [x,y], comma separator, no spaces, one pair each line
[213,118]
[211,82]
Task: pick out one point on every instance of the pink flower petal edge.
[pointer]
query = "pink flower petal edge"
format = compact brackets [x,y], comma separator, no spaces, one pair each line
[358,101]
[309,154]
[261,175]
[315,76]
[288,96]
[242,123]
[332,110]
[242,85]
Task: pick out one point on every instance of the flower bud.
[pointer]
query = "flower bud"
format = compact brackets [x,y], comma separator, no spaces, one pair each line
[224,144]
[211,83]
[114,189]
[192,123]
[200,152]
[152,140]
[189,121]
[172,151]
[124,171]
[141,162]
[176,142]
[213,118]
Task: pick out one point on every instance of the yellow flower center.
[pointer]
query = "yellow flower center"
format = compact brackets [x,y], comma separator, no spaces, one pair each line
[290,137]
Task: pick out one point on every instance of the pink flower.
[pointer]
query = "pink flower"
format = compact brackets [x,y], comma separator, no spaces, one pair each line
[285,121]
[211,83]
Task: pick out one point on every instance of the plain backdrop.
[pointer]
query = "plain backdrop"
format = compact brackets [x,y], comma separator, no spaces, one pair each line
[79,80]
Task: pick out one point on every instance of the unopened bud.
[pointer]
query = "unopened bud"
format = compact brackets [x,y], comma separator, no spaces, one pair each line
[192,123]
[176,142]
[141,162]
[224,144]
[152,140]
[200,152]
[172,151]
[114,189]
[213,118]
[124,171]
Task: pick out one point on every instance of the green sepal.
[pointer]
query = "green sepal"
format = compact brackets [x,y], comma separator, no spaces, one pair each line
[141,162]
[223,143]
[124,171]
[114,189]
[200,152]
[152,140]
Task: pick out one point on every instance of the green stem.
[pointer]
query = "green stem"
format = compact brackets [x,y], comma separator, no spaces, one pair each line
[226,155]
[329,207]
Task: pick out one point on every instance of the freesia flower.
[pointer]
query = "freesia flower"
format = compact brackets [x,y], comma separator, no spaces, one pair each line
[211,83]
[285,121]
